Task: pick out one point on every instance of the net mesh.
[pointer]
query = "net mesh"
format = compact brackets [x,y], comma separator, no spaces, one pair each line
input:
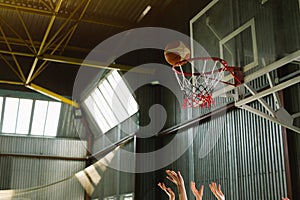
[198,85]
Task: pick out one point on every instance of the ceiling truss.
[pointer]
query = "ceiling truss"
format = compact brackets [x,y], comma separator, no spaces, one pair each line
[50,48]
[49,11]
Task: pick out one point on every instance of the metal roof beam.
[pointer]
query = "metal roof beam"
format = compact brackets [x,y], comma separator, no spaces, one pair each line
[20,72]
[19,42]
[12,29]
[51,94]
[62,16]
[57,32]
[79,62]
[76,25]
[66,38]
[44,40]
[11,66]
[11,82]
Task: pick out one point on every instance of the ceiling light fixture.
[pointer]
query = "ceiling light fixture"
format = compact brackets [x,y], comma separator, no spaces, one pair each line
[144,13]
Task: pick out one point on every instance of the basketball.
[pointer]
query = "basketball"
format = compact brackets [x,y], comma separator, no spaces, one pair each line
[175,52]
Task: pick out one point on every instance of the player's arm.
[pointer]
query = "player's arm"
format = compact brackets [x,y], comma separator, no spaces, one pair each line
[177,179]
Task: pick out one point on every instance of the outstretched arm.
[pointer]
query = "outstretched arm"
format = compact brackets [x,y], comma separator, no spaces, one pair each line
[197,193]
[177,179]
[217,191]
[168,191]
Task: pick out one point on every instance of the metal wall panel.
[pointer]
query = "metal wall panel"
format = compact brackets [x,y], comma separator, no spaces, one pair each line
[24,173]
[289,38]
[129,126]
[42,146]
[68,126]
[115,182]
[113,177]
[244,154]
[19,172]
[292,99]
[125,177]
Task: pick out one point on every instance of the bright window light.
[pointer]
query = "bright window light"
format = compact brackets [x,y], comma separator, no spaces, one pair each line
[10,115]
[133,108]
[111,102]
[125,94]
[39,117]
[24,114]
[52,118]
[104,107]
[128,198]
[1,105]
[97,115]
[29,117]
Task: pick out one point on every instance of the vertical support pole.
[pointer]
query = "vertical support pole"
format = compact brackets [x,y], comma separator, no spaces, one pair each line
[286,156]
[90,139]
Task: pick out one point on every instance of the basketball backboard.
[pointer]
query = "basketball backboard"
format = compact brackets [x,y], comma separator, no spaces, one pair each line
[262,38]
[218,29]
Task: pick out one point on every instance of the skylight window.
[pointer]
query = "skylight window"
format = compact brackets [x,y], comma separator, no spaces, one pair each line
[45,118]
[29,117]
[96,114]
[10,115]
[1,105]
[52,118]
[111,102]
[39,117]
[24,113]
[123,92]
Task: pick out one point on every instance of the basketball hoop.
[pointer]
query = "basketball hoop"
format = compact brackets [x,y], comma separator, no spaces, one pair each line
[198,86]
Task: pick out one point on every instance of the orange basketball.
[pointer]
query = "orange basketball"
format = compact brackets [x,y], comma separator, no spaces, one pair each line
[175,52]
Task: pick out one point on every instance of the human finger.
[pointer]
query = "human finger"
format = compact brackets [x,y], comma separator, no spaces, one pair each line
[162,186]
[201,190]
[193,187]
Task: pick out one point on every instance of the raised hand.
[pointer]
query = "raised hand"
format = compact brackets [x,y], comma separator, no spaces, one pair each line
[177,179]
[197,193]
[285,198]
[217,191]
[168,191]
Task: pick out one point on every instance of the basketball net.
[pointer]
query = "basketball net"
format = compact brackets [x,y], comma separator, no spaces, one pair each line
[198,87]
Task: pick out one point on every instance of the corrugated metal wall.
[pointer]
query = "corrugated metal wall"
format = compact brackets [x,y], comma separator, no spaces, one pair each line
[114,177]
[244,154]
[42,146]
[145,183]
[292,104]
[18,172]
[289,41]
[113,181]
[24,173]
[68,126]
[28,162]
[247,159]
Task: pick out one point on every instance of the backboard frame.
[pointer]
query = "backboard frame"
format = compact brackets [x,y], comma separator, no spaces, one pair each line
[262,70]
